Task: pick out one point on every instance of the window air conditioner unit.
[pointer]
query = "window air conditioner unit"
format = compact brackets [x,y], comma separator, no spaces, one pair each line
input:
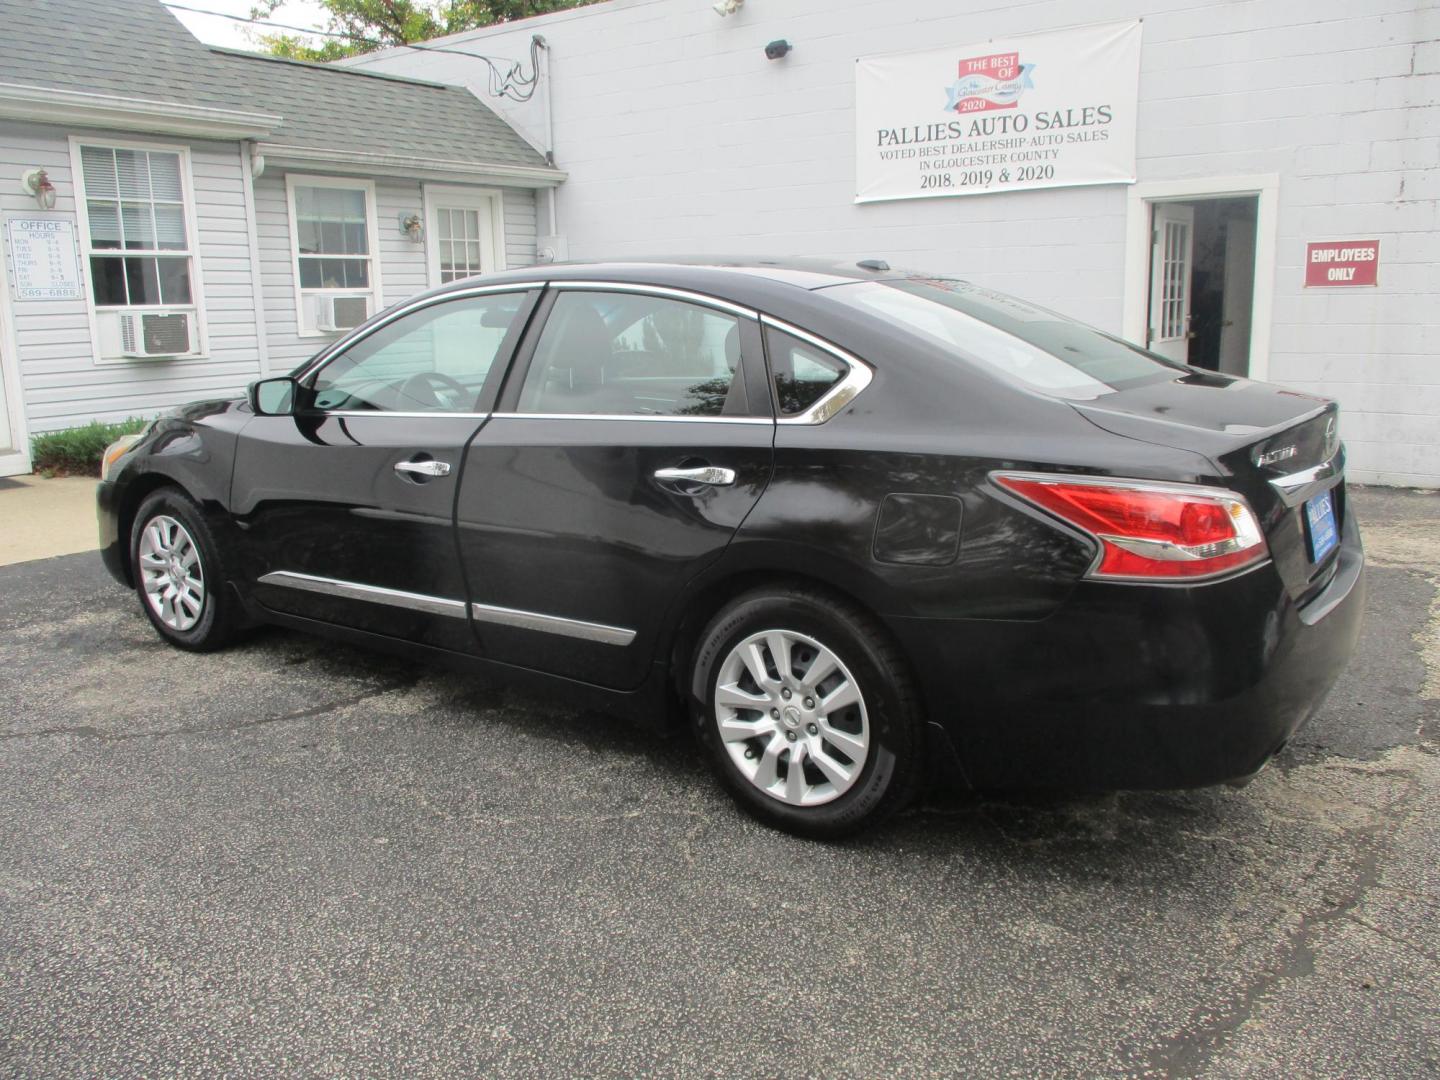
[336,313]
[148,335]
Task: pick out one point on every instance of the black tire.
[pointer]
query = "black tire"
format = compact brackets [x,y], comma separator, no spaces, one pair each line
[892,769]
[219,615]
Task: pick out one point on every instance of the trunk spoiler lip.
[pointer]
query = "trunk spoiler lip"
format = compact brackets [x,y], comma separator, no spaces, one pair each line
[1094,415]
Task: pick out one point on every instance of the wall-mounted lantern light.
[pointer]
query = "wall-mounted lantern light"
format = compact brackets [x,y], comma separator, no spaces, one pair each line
[778,50]
[412,226]
[36,182]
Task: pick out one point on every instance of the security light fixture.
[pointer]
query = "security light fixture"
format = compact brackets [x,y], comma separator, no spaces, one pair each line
[776,50]
[36,182]
[727,7]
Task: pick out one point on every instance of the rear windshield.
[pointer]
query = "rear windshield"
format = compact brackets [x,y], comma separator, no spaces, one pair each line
[1039,348]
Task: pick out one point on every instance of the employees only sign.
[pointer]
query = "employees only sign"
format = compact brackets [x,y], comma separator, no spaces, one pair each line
[1046,110]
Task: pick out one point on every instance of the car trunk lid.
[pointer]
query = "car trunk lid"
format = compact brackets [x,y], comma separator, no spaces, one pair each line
[1279,448]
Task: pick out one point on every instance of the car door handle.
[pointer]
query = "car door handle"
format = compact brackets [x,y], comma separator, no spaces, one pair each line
[423,468]
[703,474]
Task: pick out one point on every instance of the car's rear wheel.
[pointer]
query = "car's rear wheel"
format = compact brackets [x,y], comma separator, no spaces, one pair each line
[808,712]
[178,576]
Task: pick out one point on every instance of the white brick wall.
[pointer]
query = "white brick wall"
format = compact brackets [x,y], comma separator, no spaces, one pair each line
[679,136]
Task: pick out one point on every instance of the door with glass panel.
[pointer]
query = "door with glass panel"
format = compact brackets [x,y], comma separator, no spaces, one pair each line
[348,503]
[1171,259]
[464,234]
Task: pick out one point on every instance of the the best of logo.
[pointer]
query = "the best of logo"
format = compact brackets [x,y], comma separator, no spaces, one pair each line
[989,82]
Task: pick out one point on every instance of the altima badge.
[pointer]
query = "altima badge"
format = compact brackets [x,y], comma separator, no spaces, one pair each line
[1271,457]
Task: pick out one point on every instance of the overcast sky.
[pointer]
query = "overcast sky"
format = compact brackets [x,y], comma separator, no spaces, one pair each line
[214,30]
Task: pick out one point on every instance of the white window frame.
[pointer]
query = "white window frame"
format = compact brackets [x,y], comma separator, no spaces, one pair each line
[484,200]
[192,252]
[372,236]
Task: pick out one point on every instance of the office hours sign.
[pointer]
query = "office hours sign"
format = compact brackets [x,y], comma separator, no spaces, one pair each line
[1012,114]
[43,261]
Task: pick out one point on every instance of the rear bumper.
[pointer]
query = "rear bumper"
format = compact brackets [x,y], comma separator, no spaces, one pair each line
[112,551]
[1139,687]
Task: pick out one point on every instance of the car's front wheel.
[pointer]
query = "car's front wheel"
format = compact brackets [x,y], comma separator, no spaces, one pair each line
[808,712]
[176,566]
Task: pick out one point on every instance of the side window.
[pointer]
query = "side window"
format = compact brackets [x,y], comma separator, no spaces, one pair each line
[803,373]
[432,360]
[632,354]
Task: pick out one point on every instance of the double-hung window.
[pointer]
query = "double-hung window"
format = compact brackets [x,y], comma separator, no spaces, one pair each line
[333,244]
[139,243]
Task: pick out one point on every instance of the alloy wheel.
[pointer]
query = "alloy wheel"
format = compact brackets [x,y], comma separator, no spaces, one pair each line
[792,717]
[170,571]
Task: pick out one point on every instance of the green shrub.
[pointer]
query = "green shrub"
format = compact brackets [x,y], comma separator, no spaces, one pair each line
[76,451]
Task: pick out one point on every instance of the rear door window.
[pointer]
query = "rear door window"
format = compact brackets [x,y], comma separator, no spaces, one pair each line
[632,354]
[802,373]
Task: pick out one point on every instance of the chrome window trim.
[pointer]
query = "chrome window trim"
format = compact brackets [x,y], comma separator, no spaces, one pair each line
[647,417]
[659,290]
[855,380]
[329,356]
[377,413]
[439,605]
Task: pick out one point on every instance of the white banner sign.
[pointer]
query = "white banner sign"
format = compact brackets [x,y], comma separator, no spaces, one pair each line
[43,259]
[1046,110]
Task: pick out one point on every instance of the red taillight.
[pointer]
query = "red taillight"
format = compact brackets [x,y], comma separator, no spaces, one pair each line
[1150,531]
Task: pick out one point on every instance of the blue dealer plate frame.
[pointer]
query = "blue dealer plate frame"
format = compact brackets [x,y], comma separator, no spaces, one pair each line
[1320,522]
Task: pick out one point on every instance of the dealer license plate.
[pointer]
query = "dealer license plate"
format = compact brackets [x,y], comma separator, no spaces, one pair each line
[1320,516]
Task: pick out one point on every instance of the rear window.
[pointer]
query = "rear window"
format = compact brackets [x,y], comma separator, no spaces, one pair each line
[1039,348]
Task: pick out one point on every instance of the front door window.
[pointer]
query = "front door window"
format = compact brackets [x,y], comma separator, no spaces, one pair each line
[433,360]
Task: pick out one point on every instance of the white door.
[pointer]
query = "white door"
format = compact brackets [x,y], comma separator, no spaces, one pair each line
[1171,255]
[1238,300]
[464,233]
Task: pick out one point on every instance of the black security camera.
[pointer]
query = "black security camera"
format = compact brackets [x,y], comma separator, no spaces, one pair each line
[776,50]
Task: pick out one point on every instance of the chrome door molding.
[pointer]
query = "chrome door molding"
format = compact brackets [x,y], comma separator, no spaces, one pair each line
[439,605]
[353,590]
[552,624]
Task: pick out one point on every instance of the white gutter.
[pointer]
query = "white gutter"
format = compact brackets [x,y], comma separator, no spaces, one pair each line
[48,104]
[252,239]
[360,163]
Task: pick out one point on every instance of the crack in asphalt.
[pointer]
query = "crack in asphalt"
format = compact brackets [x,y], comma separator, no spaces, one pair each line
[87,732]
[1187,1055]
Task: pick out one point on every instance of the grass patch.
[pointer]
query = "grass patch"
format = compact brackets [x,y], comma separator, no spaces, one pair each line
[76,451]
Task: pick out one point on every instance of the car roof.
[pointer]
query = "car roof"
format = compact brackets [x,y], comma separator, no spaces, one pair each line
[708,273]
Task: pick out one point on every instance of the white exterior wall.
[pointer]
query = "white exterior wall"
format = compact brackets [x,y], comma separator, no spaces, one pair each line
[402,266]
[680,137]
[61,383]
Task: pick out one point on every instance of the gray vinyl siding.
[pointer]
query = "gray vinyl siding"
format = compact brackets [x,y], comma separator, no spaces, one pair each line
[402,270]
[62,384]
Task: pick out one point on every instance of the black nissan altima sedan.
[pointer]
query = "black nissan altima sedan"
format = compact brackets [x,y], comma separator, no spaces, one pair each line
[845,522]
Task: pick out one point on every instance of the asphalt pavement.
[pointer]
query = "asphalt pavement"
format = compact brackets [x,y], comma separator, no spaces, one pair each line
[294,858]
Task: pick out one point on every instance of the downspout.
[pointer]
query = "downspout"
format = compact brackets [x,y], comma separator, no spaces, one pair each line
[550,128]
[252,166]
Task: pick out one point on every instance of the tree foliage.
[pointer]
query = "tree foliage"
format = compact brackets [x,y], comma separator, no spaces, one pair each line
[379,24]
